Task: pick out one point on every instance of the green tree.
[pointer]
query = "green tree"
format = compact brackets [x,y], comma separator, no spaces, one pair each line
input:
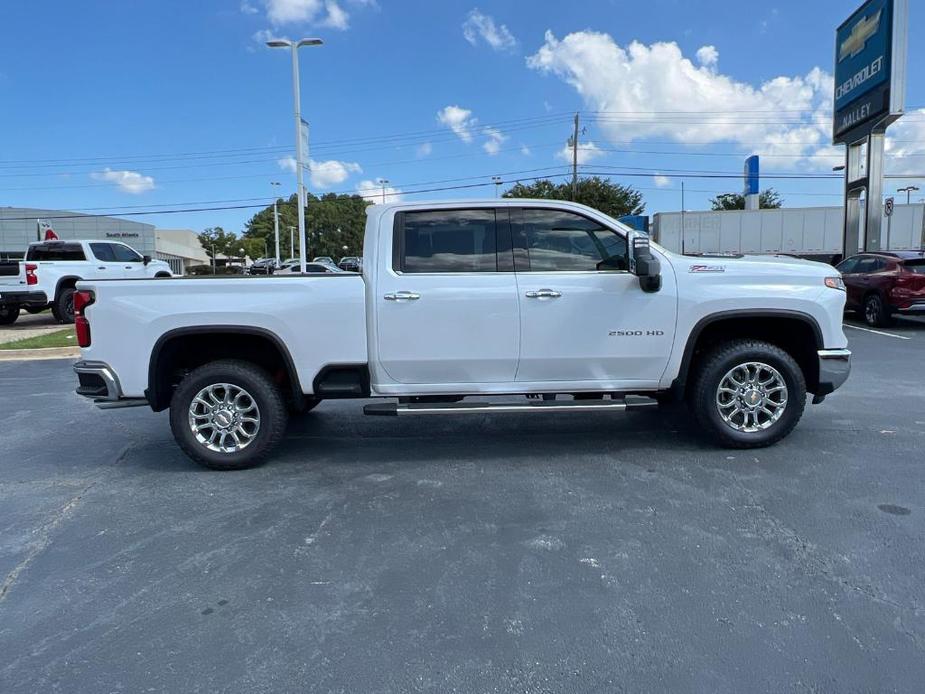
[331,221]
[224,242]
[611,198]
[767,199]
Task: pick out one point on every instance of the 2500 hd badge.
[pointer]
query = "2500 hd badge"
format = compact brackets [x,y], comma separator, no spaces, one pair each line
[636,333]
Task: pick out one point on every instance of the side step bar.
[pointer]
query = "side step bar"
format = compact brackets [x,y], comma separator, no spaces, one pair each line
[403,410]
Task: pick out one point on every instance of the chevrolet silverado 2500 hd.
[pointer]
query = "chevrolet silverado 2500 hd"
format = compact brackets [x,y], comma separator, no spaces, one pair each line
[549,300]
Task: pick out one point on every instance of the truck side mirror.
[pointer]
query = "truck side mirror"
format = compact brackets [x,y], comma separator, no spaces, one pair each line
[644,264]
[146,259]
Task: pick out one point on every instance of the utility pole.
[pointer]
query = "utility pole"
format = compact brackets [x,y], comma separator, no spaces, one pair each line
[275,218]
[574,144]
[497,181]
[294,47]
[682,217]
[292,242]
[383,182]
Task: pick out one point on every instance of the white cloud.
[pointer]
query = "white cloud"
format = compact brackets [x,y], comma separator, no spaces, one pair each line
[337,18]
[127,181]
[248,8]
[661,181]
[525,150]
[707,56]
[327,13]
[587,152]
[905,145]
[372,191]
[464,124]
[288,164]
[459,120]
[643,88]
[495,138]
[323,174]
[424,149]
[478,25]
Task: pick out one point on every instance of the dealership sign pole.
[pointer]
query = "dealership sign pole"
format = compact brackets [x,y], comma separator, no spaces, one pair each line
[870,91]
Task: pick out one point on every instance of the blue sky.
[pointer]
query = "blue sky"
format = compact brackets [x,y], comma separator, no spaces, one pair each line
[161,105]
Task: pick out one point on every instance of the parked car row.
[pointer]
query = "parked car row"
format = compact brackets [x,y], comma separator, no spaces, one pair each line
[269,266]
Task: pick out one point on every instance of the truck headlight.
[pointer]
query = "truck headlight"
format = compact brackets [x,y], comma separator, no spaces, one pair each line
[835,283]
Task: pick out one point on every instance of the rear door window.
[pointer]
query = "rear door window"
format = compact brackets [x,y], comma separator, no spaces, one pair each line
[866,265]
[916,266]
[56,251]
[447,241]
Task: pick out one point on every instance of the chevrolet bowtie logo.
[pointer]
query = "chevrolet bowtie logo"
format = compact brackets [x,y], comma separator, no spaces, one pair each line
[860,33]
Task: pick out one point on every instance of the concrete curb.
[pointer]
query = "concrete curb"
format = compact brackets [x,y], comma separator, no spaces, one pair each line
[44,353]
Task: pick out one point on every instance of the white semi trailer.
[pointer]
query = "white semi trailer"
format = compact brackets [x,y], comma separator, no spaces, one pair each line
[808,232]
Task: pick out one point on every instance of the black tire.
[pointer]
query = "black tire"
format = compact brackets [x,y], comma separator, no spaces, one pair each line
[714,368]
[63,308]
[161,275]
[259,387]
[8,314]
[876,313]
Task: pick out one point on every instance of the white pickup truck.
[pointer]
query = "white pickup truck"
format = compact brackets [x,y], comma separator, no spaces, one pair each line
[51,269]
[549,300]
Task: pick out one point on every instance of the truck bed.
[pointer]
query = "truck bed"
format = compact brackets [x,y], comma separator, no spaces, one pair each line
[320,319]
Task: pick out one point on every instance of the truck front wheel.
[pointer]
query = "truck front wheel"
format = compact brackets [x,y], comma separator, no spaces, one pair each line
[228,415]
[748,394]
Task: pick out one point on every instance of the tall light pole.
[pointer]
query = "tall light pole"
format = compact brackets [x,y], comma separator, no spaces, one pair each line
[497,181]
[275,218]
[908,191]
[291,242]
[383,182]
[294,47]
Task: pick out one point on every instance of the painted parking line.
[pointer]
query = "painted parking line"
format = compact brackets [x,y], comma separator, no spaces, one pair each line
[878,332]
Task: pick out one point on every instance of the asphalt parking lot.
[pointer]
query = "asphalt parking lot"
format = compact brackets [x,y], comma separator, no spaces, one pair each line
[581,552]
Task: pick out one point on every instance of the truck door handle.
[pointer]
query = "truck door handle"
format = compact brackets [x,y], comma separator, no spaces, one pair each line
[101,267]
[402,296]
[544,294]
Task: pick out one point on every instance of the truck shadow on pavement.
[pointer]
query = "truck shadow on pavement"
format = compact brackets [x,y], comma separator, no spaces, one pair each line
[320,438]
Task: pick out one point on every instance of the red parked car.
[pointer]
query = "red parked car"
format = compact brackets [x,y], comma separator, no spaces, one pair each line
[882,284]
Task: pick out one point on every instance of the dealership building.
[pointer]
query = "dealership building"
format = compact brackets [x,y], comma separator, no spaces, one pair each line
[19,227]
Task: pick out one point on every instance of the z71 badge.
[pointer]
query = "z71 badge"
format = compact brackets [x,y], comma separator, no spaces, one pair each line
[707,268]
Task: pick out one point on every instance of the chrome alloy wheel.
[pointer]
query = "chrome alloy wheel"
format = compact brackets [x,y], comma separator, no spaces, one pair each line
[224,418]
[751,397]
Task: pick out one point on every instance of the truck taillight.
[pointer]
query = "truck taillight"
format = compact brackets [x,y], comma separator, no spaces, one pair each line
[31,277]
[82,299]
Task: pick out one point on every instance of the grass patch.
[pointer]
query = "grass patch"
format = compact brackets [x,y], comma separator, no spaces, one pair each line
[59,338]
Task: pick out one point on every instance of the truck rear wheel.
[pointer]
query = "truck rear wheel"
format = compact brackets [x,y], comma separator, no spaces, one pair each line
[748,394]
[228,415]
[8,314]
[63,308]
